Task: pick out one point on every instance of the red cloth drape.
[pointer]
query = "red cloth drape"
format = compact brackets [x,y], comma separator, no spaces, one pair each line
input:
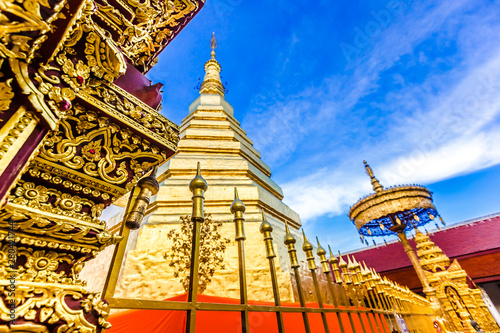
[159,321]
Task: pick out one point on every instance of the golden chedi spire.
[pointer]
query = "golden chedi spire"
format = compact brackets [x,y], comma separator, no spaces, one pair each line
[377,187]
[431,256]
[211,82]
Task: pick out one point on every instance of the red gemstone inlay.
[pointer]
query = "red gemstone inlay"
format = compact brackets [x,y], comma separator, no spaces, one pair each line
[64,105]
[80,79]
[92,151]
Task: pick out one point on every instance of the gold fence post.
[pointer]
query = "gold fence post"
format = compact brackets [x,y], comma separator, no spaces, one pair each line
[294,263]
[388,294]
[348,286]
[338,279]
[308,250]
[353,270]
[355,284]
[373,284]
[359,276]
[266,229]
[365,273]
[134,214]
[326,270]
[238,208]
[379,290]
[407,304]
[198,186]
[403,305]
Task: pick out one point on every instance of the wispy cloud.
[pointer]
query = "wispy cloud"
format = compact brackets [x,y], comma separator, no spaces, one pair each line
[417,113]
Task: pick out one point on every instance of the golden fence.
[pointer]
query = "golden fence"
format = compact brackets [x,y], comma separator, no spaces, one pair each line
[358,294]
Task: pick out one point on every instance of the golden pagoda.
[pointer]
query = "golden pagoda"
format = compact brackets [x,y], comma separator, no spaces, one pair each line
[211,135]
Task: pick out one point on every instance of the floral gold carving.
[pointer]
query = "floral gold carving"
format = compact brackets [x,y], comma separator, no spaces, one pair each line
[212,249]
[34,171]
[104,59]
[106,148]
[21,17]
[159,23]
[54,201]
[42,266]
[50,305]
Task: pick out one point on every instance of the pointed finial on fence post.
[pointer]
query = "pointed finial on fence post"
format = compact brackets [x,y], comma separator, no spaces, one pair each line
[198,186]
[308,249]
[366,275]
[352,270]
[344,269]
[322,258]
[335,268]
[357,270]
[266,229]
[290,244]
[238,208]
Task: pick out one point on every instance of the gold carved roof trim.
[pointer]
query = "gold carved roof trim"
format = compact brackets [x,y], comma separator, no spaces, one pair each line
[30,222]
[86,180]
[126,6]
[52,216]
[38,169]
[149,28]
[147,108]
[157,139]
[51,243]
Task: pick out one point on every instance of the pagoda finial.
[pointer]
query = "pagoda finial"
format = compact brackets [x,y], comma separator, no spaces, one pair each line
[377,187]
[211,82]
[213,44]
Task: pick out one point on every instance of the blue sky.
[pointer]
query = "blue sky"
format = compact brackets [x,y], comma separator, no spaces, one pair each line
[411,86]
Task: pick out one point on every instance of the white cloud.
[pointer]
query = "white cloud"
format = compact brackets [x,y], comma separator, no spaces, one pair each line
[438,144]
[425,132]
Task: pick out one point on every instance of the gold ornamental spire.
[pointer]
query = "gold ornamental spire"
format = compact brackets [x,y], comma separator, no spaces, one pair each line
[213,45]
[211,82]
[377,187]
[430,255]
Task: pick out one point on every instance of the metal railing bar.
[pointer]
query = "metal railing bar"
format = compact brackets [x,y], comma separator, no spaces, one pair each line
[129,303]
[238,208]
[373,298]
